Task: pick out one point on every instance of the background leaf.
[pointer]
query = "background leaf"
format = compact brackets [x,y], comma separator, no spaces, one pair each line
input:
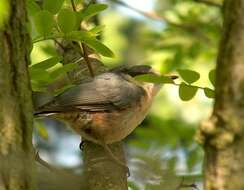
[46,64]
[91,11]
[53,5]
[32,7]
[63,70]
[99,47]
[211,76]
[187,92]
[209,92]
[188,76]
[44,22]
[66,20]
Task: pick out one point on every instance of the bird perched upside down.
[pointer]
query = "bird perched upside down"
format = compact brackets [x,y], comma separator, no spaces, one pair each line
[107,108]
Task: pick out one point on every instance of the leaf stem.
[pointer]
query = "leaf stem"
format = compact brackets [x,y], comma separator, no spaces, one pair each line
[83,47]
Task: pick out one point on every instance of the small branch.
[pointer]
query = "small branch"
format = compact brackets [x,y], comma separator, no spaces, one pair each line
[73,6]
[86,58]
[83,47]
[182,185]
[210,3]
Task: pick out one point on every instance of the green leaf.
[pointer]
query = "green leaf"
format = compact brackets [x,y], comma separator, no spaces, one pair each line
[91,41]
[32,7]
[78,36]
[209,92]
[97,29]
[188,76]
[66,20]
[41,130]
[44,22]
[53,5]
[46,64]
[91,11]
[99,47]
[211,76]
[187,92]
[154,78]
[39,75]
[38,86]
[63,70]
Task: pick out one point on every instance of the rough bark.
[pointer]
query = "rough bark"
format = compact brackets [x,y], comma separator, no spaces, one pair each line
[16,158]
[223,135]
[100,171]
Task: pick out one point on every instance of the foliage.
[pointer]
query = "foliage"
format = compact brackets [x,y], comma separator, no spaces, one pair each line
[56,20]
[183,42]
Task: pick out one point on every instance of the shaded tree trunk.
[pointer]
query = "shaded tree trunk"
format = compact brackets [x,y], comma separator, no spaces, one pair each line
[223,135]
[16,152]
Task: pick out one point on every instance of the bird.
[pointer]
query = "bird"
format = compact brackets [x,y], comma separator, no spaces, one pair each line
[106,108]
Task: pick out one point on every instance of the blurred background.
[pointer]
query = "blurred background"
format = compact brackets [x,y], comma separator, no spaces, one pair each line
[169,35]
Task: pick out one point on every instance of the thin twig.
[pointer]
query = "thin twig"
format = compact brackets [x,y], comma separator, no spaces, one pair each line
[210,3]
[44,163]
[73,5]
[83,47]
[182,185]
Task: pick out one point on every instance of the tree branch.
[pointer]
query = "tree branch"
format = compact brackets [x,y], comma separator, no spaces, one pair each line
[83,47]
[209,3]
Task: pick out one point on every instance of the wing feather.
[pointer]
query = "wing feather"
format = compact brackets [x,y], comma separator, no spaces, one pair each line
[105,92]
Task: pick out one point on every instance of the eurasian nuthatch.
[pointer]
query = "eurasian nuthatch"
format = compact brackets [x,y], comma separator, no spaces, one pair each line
[107,108]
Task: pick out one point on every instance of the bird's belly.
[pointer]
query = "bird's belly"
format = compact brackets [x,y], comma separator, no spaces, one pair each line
[115,126]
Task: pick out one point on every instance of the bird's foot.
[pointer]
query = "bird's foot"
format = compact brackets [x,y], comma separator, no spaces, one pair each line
[81,146]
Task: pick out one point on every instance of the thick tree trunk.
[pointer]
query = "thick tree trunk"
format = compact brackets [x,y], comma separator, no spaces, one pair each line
[223,135]
[16,153]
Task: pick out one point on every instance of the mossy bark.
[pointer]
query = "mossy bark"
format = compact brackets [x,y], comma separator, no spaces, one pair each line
[16,152]
[223,135]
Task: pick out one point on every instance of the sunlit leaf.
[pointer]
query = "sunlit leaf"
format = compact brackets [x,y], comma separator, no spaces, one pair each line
[209,92]
[66,20]
[188,76]
[44,22]
[78,36]
[97,29]
[187,92]
[38,86]
[211,76]
[91,41]
[99,47]
[32,7]
[154,78]
[46,64]
[39,75]
[53,5]
[91,11]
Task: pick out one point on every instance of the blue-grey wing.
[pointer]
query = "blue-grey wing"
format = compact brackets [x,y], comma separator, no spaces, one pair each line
[105,92]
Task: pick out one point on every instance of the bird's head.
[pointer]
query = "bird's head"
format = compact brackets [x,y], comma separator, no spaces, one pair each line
[138,70]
